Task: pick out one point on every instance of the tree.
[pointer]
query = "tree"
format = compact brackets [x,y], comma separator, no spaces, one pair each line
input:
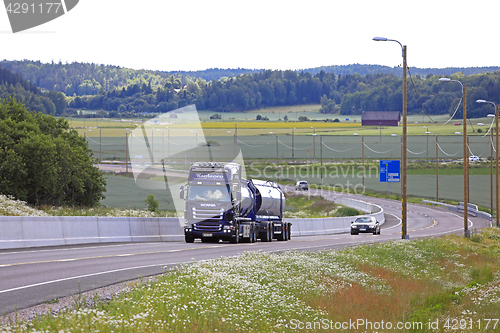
[327,105]
[151,203]
[59,101]
[43,162]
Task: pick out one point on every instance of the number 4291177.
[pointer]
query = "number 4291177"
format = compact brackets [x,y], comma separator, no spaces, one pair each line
[26,8]
[470,324]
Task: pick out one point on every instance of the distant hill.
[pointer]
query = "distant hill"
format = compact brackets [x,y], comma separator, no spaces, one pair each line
[13,85]
[216,73]
[89,79]
[376,69]
[348,89]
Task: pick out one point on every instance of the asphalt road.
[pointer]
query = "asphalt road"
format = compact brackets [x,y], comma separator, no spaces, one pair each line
[32,276]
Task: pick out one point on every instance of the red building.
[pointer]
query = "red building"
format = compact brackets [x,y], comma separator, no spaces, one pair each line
[380,118]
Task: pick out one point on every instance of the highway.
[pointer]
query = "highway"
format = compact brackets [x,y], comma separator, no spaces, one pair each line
[31,276]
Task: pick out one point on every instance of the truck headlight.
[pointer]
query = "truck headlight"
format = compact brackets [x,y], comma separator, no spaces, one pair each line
[227,227]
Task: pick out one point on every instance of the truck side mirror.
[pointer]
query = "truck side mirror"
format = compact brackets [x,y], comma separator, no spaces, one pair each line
[181,194]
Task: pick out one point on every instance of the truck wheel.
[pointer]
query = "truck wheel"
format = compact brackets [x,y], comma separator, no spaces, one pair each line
[236,239]
[289,231]
[189,239]
[270,230]
[253,237]
[282,237]
[285,236]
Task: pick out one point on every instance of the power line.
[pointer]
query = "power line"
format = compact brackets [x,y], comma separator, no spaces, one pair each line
[416,92]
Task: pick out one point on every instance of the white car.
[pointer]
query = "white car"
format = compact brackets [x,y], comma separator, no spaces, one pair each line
[302,185]
[473,158]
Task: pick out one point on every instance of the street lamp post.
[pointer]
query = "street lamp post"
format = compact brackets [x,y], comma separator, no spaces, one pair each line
[491,174]
[496,157]
[401,146]
[466,156]
[404,208]
[293,147]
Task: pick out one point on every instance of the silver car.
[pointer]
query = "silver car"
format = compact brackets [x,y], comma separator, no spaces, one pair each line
[302,185]
[365,224]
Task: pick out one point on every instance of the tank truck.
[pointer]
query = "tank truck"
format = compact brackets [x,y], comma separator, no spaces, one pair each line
[221,205]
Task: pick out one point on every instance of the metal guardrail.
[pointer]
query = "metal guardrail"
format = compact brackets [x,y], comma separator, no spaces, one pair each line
[472,209]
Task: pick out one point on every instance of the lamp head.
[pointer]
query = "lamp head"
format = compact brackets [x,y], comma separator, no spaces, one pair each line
[444,79]
[380,39]
[481,101]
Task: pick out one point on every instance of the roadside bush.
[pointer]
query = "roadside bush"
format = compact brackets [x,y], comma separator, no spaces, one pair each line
[151,203]
[347,211]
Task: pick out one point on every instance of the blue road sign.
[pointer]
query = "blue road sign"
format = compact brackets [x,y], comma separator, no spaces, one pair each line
[390,171]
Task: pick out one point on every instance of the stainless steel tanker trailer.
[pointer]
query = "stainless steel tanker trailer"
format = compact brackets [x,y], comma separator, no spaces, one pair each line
[221,205]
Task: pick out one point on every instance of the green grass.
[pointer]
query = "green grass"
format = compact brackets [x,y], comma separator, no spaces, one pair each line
[306,206]
[418,282]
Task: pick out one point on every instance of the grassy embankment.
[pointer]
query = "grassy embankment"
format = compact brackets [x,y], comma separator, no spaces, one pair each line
[445,284]
[307,206]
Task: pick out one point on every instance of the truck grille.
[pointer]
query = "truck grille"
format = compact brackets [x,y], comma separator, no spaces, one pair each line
[208,214]
[207,226]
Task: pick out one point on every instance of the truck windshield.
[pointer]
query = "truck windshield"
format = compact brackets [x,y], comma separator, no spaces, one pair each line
[209,193]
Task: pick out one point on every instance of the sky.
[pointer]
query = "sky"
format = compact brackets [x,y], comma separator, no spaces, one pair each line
[195,35]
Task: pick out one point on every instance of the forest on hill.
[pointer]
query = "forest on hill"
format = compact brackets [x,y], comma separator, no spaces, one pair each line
[123,92]
[13,85]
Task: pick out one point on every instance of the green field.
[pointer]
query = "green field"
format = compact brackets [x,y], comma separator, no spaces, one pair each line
[259,148]
[305,148]
[334,142]
[123,192]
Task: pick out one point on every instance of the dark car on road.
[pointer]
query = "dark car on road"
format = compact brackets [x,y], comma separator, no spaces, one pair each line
[365,224]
